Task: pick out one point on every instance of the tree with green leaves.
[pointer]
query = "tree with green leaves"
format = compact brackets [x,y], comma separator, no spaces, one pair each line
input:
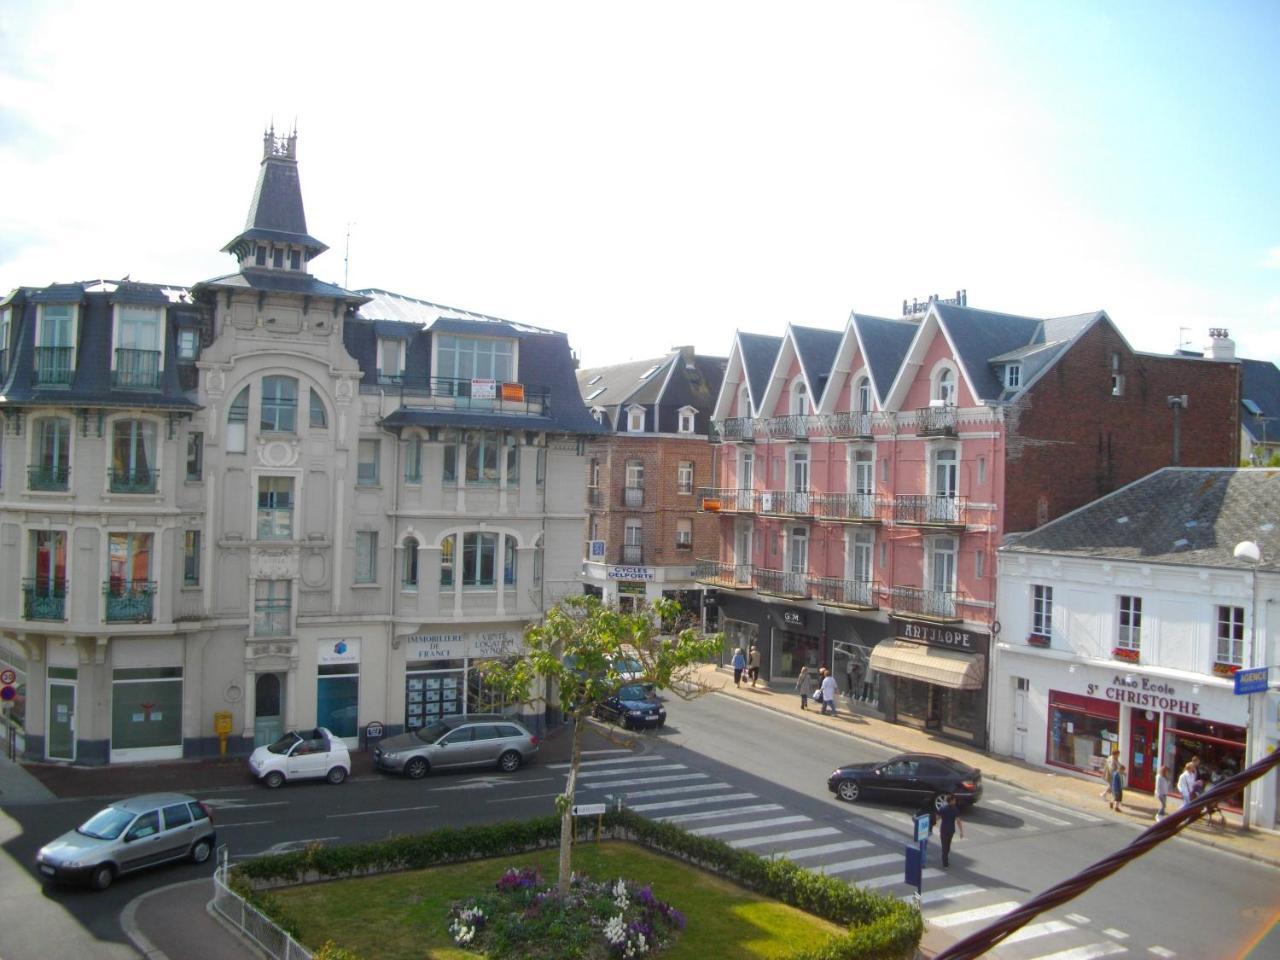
[570,662]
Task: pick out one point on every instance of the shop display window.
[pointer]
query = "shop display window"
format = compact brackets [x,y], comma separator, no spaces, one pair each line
[738,635]
[146,707]
[793,651]
[1220,747]
[1081,736]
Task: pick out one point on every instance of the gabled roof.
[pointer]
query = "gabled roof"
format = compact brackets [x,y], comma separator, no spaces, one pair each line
[1179,515]
[816,350]
[1260,385]
[636,381]
[758,353]
[883,345]
[978,335]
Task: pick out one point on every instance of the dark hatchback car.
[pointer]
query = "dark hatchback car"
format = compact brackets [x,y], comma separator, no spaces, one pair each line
[634,705]
[908,778]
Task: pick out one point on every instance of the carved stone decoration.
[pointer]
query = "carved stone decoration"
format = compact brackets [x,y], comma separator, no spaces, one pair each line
[273,563]
[278,453]
[215,383]
[344,390]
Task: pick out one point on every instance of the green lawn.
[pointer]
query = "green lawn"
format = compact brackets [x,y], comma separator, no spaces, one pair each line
[402,916]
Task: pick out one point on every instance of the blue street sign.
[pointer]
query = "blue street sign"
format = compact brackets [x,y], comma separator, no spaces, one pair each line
[923,821]
[1252,681]
[914,866]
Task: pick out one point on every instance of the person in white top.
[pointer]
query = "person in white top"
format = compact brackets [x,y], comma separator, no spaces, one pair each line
[1162,790]
[829,693]
[1187,783]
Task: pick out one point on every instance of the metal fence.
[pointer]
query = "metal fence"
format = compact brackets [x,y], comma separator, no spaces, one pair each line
[251,921]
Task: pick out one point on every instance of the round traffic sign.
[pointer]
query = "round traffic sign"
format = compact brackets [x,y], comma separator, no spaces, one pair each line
[8,676]
[7,693]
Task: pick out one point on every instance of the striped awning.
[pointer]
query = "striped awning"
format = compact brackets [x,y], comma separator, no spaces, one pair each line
[946,668]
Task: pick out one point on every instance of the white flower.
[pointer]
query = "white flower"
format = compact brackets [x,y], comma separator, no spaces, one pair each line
[615,931]
[619,892]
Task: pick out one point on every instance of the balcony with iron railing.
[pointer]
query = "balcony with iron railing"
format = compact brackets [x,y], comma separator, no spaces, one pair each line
[44,476]
[53,365]
[726,500]
[929,510]
[129,601]
[854,594]
[136,369]
[795,426]
[939,421]
[741,429]
[782,583]
[924,604]
[847,507]
[44,598]
[632,554]
[633,496]
[787,503]
[718,573]
[133,481]
[853,424]
[487,396]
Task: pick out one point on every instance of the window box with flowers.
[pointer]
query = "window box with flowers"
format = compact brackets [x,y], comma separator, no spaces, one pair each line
[1225,669]
[1037,640]
[1127,654]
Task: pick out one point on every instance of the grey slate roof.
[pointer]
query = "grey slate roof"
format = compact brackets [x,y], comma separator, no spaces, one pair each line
[275,281]
[886,343]
[1177,515]
[758,354]
[276,212]
[386,305]
[1261,384]
[622,383]
[817,350]
[664,385]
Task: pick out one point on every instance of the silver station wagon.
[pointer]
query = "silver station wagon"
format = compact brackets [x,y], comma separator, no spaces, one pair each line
[473,740]
[129,835]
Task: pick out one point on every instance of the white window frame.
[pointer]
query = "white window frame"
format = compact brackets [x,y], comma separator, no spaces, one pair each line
[800,400]
[633,532]
[118,312]
[863,398]
[398,345]
[746,469]
[940,547]
[363,477]
[449,343]
[186,352]
[635,419]
[684,477]
[73,328]
[1231,640]
[1129,622]
[634,474]
[684,533]
[859,555]
[1117,377]
[687,418]
[1013,376]
[1042,610]
[941,459]
[365,568]
[945,387]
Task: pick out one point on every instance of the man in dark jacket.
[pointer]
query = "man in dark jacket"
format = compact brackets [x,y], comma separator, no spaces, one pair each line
[948,824]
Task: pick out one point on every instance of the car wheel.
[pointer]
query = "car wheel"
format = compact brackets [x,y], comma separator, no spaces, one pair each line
[509,761]
[200,851]
[336,775]
[661,724]
[848,790]
[939,801]
[273,779]
[102,876]
[415,769]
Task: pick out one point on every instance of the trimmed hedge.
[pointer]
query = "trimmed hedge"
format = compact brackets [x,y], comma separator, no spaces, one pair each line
[881,927]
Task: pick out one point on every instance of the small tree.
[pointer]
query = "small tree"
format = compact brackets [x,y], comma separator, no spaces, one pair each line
[570,660]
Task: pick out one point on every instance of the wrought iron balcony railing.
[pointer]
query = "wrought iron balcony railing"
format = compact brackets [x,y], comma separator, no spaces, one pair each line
[791,503]
[937,421]
[858,594]
[44,598]
[129,601]
[782,583]
[919,602]
[136,369]
[451,393]
[849,425]
[633,496]
[633,553]
[53,365]
[848,507]
[726,500]
[43,476]
[794,426]
[738,428]
[721,574]
[929,510]
[133,481]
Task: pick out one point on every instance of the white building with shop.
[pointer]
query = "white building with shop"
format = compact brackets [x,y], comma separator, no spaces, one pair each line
[1122,626]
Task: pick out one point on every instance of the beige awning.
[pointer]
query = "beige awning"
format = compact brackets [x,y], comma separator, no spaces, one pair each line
[946,668]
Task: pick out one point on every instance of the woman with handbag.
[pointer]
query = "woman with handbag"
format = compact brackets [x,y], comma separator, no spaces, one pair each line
[804,686]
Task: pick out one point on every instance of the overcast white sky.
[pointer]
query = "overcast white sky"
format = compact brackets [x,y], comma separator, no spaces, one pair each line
[646,175]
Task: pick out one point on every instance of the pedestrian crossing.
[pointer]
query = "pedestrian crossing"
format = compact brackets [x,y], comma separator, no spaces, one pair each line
[865,849]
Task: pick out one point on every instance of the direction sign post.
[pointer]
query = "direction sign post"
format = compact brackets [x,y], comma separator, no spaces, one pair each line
[591,809]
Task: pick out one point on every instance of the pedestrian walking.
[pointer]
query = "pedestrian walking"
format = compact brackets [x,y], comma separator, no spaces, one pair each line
[828,692]
[1117,786]
[804,685]
[869,685]
[739,664]
[851,672]
[1187,783]
[753,664]
[948,824]
[1163,786]
[1108,772]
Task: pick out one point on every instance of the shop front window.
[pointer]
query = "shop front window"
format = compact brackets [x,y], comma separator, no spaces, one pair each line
[738,635]
[1219,746]
[338,698]
[793,651]
[433,693]
[146,708]
[1082,731]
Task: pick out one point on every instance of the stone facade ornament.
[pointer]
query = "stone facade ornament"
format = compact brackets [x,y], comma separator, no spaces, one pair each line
[278,453]
[273,563]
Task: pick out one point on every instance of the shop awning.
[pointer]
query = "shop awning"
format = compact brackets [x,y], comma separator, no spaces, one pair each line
[946,668]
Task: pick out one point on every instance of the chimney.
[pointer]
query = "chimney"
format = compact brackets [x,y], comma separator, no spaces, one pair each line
[1221,346]
[686,354]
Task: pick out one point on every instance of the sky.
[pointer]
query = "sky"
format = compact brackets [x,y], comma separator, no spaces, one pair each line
[643,176]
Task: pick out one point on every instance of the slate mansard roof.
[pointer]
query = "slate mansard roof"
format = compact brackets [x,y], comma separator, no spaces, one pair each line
[1177,515]
[1260,387]
[91,382]
[664,385]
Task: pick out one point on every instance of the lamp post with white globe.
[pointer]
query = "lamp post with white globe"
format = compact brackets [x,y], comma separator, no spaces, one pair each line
[1249,552]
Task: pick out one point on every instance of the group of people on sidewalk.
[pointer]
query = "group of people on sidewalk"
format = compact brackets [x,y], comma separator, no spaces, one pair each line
[824,693]
[1190,785]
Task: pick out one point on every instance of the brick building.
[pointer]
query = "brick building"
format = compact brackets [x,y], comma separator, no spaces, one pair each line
[867,476]
[644,529]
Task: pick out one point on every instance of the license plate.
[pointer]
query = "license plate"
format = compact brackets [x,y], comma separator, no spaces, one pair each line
[46,869]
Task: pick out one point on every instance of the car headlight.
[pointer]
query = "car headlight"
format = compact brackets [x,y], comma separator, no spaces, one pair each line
[390,756]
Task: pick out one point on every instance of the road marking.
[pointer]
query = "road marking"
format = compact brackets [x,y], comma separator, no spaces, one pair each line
[232,803]
[881,832]
[1037,930]
[529,796]
[740,827]
[1115,934]
[592,753]
[1161,952]
[1089,951]
[847,866]
[948,893]
[804,853]
[666,791]
[782,837]
[643,758]
[614,773]
[691,801]
[1086,817]
[960,917]
[249,823]
[890,879]
[374,813]
[640,781]
[1078,918]
[1035,814]
[713,814]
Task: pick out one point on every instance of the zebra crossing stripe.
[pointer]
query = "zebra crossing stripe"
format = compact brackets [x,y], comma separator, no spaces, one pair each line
[714,814]
[806,852]
[642,758]
[959,918]
[640,781]
[1037,930]
[1041,802]
[782,837]
[641,770]
[848,866]
[881,832]
[668,791]
[1090,951]
[691,801]
[741,827]
[948,893]
[1034,814]
[890,879]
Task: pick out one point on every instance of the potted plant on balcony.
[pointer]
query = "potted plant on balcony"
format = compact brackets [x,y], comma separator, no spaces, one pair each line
[1127,654]
[1037,640]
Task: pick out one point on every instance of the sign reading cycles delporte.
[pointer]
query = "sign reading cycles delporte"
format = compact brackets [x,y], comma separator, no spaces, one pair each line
[631,573]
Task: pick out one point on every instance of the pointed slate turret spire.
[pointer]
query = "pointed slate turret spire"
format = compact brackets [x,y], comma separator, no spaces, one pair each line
[275,234]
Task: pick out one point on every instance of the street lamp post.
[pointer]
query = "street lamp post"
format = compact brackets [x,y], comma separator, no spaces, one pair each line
[1251,553]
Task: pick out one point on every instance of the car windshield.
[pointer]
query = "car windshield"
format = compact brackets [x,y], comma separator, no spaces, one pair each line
[106,824]
[285,743]
[627,666]
[432,732]
[634,691]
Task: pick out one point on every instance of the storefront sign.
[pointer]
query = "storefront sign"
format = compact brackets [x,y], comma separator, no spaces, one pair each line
[793,618]
[338,651]
[936,635]
[631,573]
[1252,681]
[1146,692]
[456,646]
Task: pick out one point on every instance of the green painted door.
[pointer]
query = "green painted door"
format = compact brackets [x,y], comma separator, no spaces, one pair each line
[62,721]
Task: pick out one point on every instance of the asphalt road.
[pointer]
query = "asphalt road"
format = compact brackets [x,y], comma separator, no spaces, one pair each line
[756,779]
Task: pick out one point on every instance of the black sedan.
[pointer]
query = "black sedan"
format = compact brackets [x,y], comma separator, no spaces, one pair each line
[634,705]
[908,778]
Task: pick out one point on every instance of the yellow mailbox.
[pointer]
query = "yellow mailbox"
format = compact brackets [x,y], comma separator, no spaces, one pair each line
[222,727]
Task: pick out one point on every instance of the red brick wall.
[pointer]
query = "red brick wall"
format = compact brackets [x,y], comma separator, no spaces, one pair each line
[1069,441]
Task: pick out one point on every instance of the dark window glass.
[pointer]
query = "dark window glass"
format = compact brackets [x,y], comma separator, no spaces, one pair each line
[176,815]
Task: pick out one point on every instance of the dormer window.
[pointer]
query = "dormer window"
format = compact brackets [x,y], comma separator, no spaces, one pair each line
[295,259]
[4,340]
[1013,376]
[136,361]
[598,413]
[475,358]
[390,359]
[799,398]
[686,419]
[188,345]
[260,255]
[635,419]
[944,393]
[55,343]
[277,257]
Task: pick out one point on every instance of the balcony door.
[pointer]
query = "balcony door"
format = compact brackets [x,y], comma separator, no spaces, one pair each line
[946,484]
[742,551]
[797,559]
[940,593]
[864,482]
[47,589]
[798,488]
[133,456]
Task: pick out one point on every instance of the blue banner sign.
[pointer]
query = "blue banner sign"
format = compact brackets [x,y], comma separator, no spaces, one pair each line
[1252,681]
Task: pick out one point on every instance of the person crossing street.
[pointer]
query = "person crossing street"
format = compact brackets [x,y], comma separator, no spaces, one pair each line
[948,825]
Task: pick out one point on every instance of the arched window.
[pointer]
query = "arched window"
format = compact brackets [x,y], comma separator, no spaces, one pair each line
[946,387]
[410,574]
[238,422]
[799,398]
[279,405]
[862,396]
[318,418]
[744,401]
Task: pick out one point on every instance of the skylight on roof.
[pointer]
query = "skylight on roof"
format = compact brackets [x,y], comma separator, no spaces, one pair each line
[650,372]
[595,393]
[594,380]
[1252,407]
